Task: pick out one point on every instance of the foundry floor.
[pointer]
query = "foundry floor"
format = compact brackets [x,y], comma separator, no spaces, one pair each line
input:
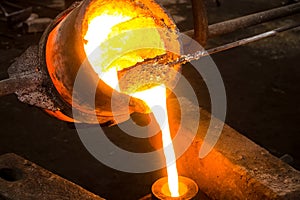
[261,81]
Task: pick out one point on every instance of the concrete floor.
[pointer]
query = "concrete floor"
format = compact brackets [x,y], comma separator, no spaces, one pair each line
[261,81]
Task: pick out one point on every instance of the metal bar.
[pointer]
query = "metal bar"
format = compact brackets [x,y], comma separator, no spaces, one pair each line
[9,86]
[229,26]
[3,10]
[22,179]
[200,22]
[201,53]
[13,84]
[253,38]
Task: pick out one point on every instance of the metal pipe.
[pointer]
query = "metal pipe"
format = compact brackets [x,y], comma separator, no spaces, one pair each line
[200,22]
[201,53]
[232,25]
[252,39]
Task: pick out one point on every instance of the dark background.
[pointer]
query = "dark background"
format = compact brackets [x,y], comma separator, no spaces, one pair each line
[261,81]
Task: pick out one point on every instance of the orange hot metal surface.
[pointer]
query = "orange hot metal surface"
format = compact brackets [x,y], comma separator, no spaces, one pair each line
[59,115]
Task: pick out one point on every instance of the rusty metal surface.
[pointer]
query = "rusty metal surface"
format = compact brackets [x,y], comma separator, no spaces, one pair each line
[150,74]
[28,79]
[23,73]
[249,20]
[11,85]
[200,22]
[232,25]
[21,179]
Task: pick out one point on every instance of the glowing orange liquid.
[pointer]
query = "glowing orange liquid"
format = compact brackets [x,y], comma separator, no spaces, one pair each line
[156,96]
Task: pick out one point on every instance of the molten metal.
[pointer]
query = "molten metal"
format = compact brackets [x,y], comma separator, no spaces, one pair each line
[188,189]
[91,32]
[154,97]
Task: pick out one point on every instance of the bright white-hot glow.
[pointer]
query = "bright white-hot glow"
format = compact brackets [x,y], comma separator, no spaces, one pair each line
[116,41]
[104,23]
[110,77]
[94,38]
[156,96]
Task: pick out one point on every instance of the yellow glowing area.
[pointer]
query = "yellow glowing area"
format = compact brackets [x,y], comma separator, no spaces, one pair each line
[115,41]
[111,78]
[156,96]
[182,189]
[99,29]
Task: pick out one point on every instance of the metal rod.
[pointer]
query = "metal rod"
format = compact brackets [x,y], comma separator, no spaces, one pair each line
[13,84]
[200,22]
[201,53]
[232,25]
[8,86]
[252,39]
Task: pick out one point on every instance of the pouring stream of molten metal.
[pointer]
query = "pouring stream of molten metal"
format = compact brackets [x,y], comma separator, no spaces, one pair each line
[156,96]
